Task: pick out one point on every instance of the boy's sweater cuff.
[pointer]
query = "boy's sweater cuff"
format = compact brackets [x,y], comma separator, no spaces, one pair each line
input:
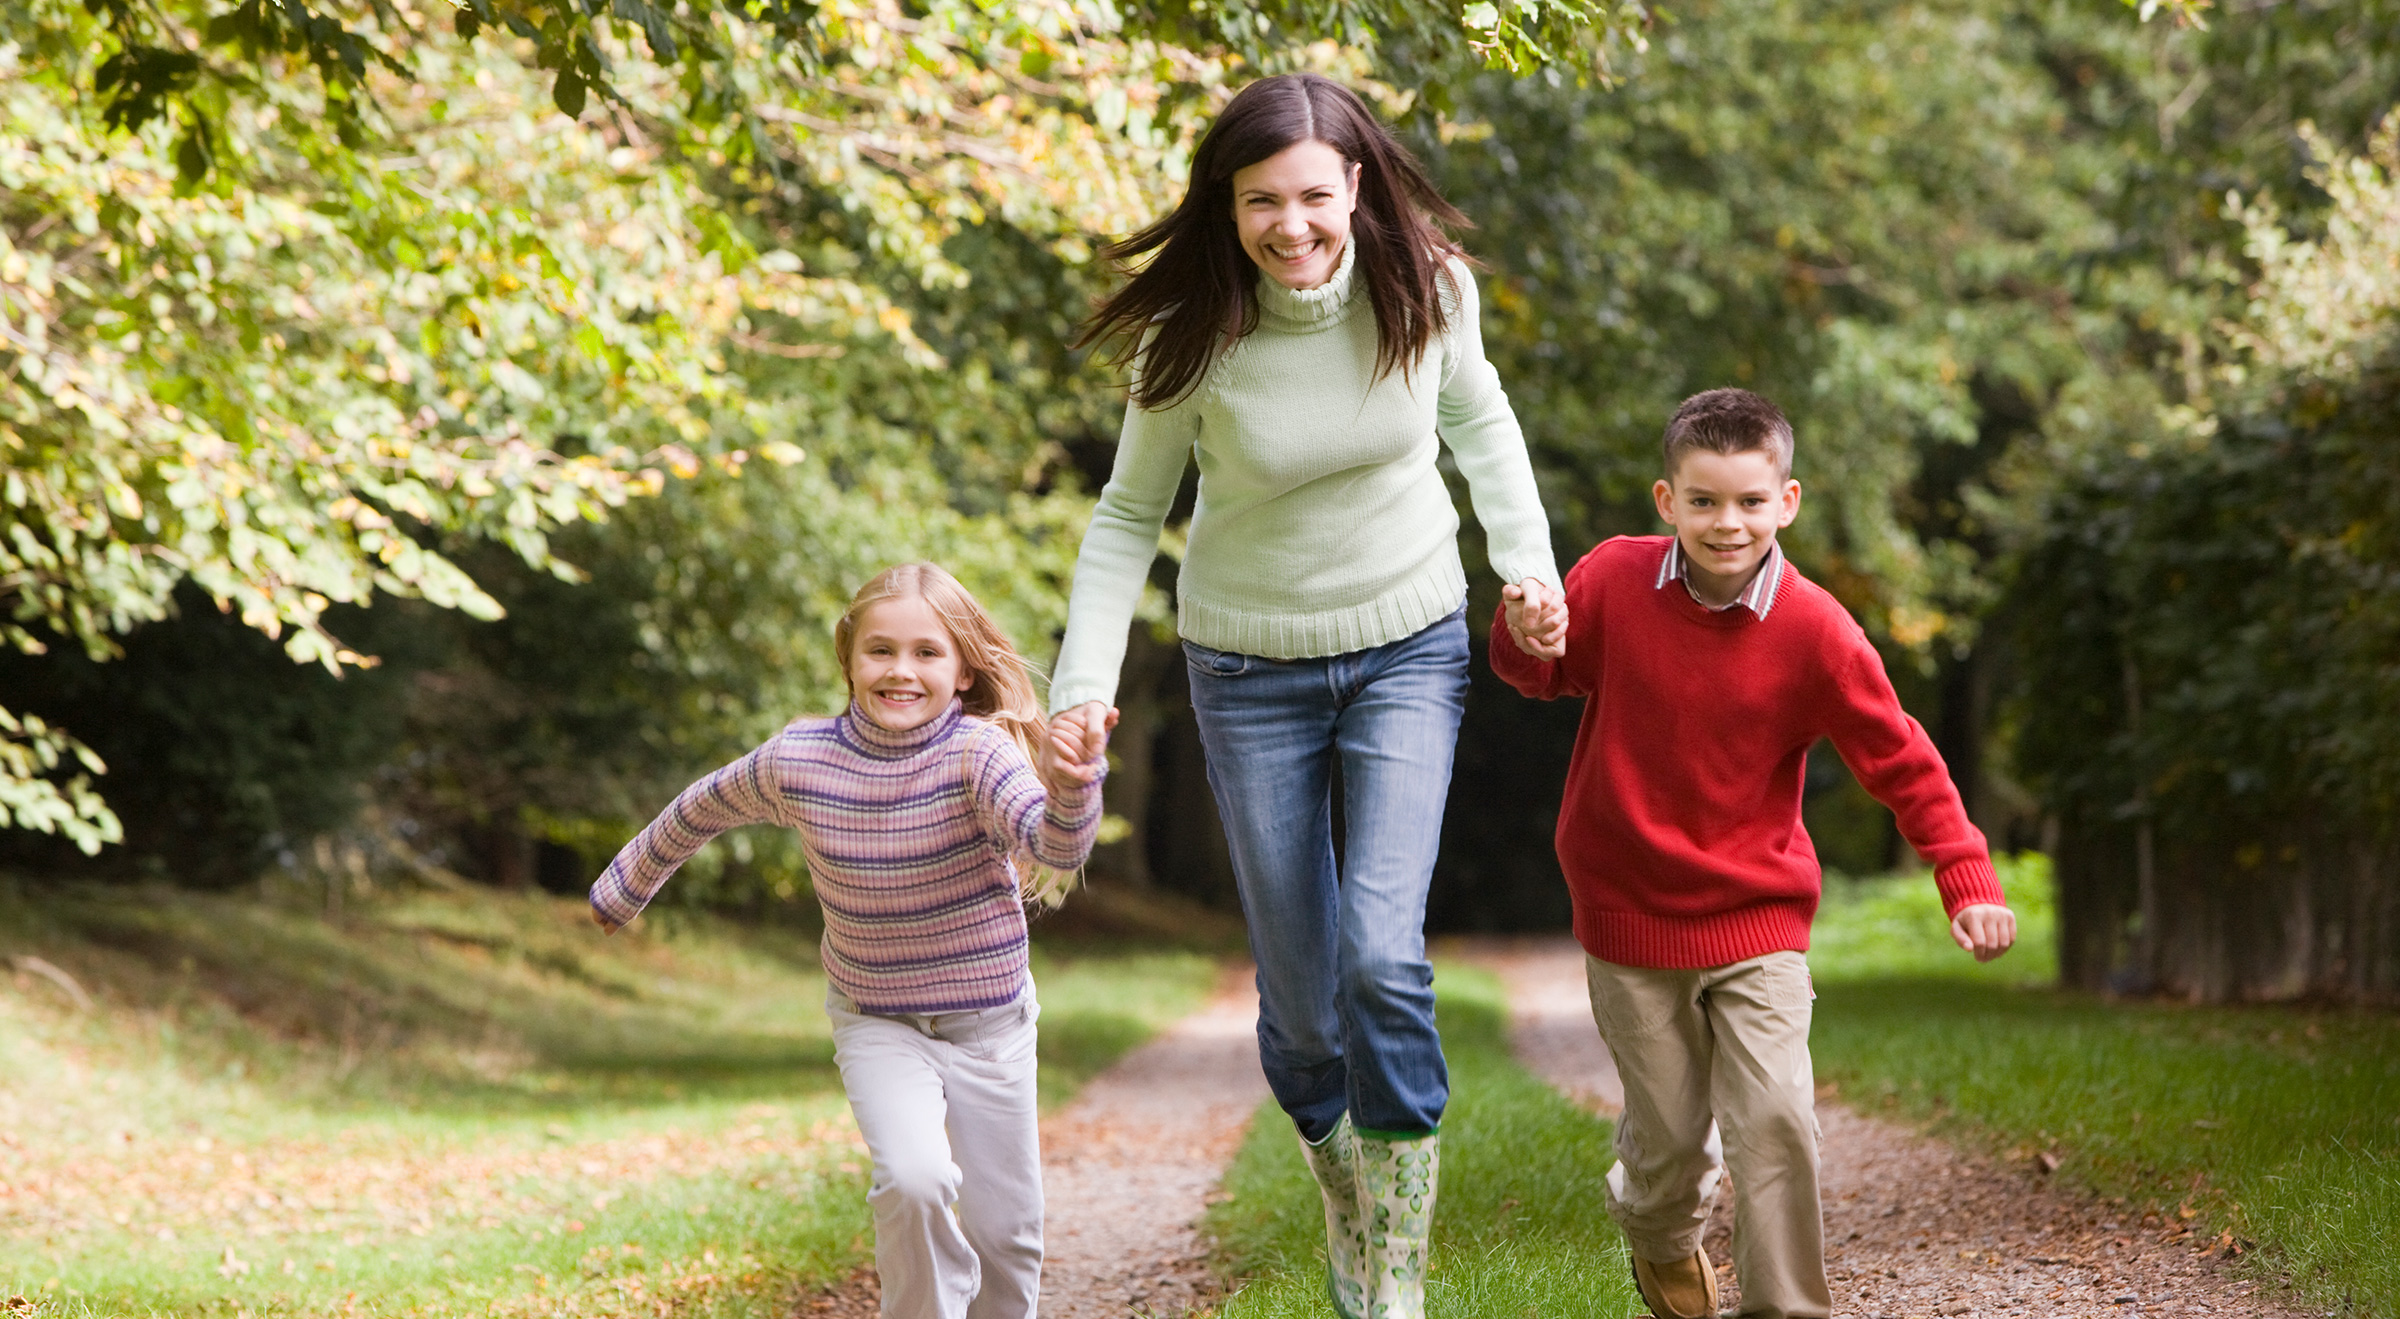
[1968,883]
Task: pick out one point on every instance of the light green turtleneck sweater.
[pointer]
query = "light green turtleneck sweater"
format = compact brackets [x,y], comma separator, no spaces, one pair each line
[1323,525]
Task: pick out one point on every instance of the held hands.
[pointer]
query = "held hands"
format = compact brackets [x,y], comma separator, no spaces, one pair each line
[1985,930]
[1537,617]
[1075,751]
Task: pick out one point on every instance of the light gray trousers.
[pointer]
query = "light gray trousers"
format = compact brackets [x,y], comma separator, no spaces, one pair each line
[946,1102]
[1698,1051]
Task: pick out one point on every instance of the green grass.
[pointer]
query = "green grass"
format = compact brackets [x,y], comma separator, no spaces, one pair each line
[1892,928]
[449,1103]
[2278,1125]
[1519,1232]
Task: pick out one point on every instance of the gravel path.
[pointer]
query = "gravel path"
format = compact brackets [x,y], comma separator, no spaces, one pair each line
[1127,1167]
[1129,1164]
[1913,1227]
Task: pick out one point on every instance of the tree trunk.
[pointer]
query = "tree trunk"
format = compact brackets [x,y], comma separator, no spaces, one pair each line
[2257,910]
[1132,754]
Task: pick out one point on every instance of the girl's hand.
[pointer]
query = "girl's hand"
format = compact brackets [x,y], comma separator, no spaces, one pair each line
[1985,929]
[1077,748]
[606,925]
[1091,722]
[1537,617]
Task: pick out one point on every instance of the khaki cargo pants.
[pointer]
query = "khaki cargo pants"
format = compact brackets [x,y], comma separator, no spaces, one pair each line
[1723,1049]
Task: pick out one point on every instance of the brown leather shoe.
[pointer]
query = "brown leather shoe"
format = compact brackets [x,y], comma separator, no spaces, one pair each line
[1684,1289]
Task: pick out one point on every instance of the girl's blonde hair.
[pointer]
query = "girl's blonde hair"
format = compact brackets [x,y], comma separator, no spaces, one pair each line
[1002,691]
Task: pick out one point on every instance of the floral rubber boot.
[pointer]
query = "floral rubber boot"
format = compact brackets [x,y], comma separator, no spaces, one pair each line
[1334,1160]
[1396,1184]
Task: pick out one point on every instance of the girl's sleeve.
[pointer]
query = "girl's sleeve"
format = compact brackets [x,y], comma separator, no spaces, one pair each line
[1020,814]
[1482,432]
[739,794]
[1118,548]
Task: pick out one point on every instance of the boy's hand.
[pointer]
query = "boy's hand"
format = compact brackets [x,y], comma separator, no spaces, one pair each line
[1077,747]
[1537,618]
[606,925]
[1985,930]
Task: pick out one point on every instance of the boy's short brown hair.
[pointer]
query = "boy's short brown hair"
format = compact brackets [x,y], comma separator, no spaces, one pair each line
[1729,421]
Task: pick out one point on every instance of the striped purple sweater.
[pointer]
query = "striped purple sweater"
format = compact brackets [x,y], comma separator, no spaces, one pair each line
[908,837]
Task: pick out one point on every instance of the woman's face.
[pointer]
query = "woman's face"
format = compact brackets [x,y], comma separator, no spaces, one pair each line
[1293,212]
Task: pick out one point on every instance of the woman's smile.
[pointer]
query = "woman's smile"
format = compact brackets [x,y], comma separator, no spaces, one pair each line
[1293,212]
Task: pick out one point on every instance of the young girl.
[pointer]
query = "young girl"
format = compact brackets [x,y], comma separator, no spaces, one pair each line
[925,825]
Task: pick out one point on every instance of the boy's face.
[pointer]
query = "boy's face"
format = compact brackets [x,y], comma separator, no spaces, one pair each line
[1726,509]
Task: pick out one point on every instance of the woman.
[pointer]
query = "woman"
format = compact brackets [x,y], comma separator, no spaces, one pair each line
[1305,329]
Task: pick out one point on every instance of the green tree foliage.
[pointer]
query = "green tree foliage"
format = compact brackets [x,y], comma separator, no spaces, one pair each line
[1857,210]
[279,393]
[308,380]
[2167,620]
[182,62]
[2211,619]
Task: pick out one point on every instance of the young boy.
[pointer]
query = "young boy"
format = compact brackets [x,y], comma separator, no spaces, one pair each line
[1711,665]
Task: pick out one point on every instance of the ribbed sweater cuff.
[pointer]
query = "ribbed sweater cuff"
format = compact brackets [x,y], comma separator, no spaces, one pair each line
[1689,943]
[1968,883]
[1077,802]
[1542,569]
[1063,699]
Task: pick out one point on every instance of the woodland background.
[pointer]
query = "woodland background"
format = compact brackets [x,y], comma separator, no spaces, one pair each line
[429,438]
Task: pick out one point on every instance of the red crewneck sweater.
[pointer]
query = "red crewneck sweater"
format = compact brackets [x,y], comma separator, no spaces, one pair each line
[1680,833]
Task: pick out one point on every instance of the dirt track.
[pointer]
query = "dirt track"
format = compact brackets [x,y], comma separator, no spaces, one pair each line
[1912,1227]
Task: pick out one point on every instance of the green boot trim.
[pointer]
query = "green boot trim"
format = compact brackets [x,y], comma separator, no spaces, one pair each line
[1334,1160]
[1397,1180]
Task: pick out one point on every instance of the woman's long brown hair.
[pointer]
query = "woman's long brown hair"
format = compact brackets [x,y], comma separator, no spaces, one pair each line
[1197,295]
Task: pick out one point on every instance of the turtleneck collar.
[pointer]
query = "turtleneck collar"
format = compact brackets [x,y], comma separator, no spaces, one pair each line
[1311,309]
[875,737]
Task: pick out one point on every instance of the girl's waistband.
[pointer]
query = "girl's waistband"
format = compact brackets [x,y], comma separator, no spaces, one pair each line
[960,1027]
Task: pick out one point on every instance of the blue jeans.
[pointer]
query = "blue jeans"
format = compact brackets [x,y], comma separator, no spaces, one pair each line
[1345,1012]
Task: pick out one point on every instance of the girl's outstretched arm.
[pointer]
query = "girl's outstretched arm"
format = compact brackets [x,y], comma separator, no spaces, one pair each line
[1056,825]
[733,796]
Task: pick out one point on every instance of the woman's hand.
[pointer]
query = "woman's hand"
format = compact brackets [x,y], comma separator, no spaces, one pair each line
[1537,617]
[1078,741]
[606,925]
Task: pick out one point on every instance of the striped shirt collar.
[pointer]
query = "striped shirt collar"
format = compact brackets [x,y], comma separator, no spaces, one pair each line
[1758,597]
